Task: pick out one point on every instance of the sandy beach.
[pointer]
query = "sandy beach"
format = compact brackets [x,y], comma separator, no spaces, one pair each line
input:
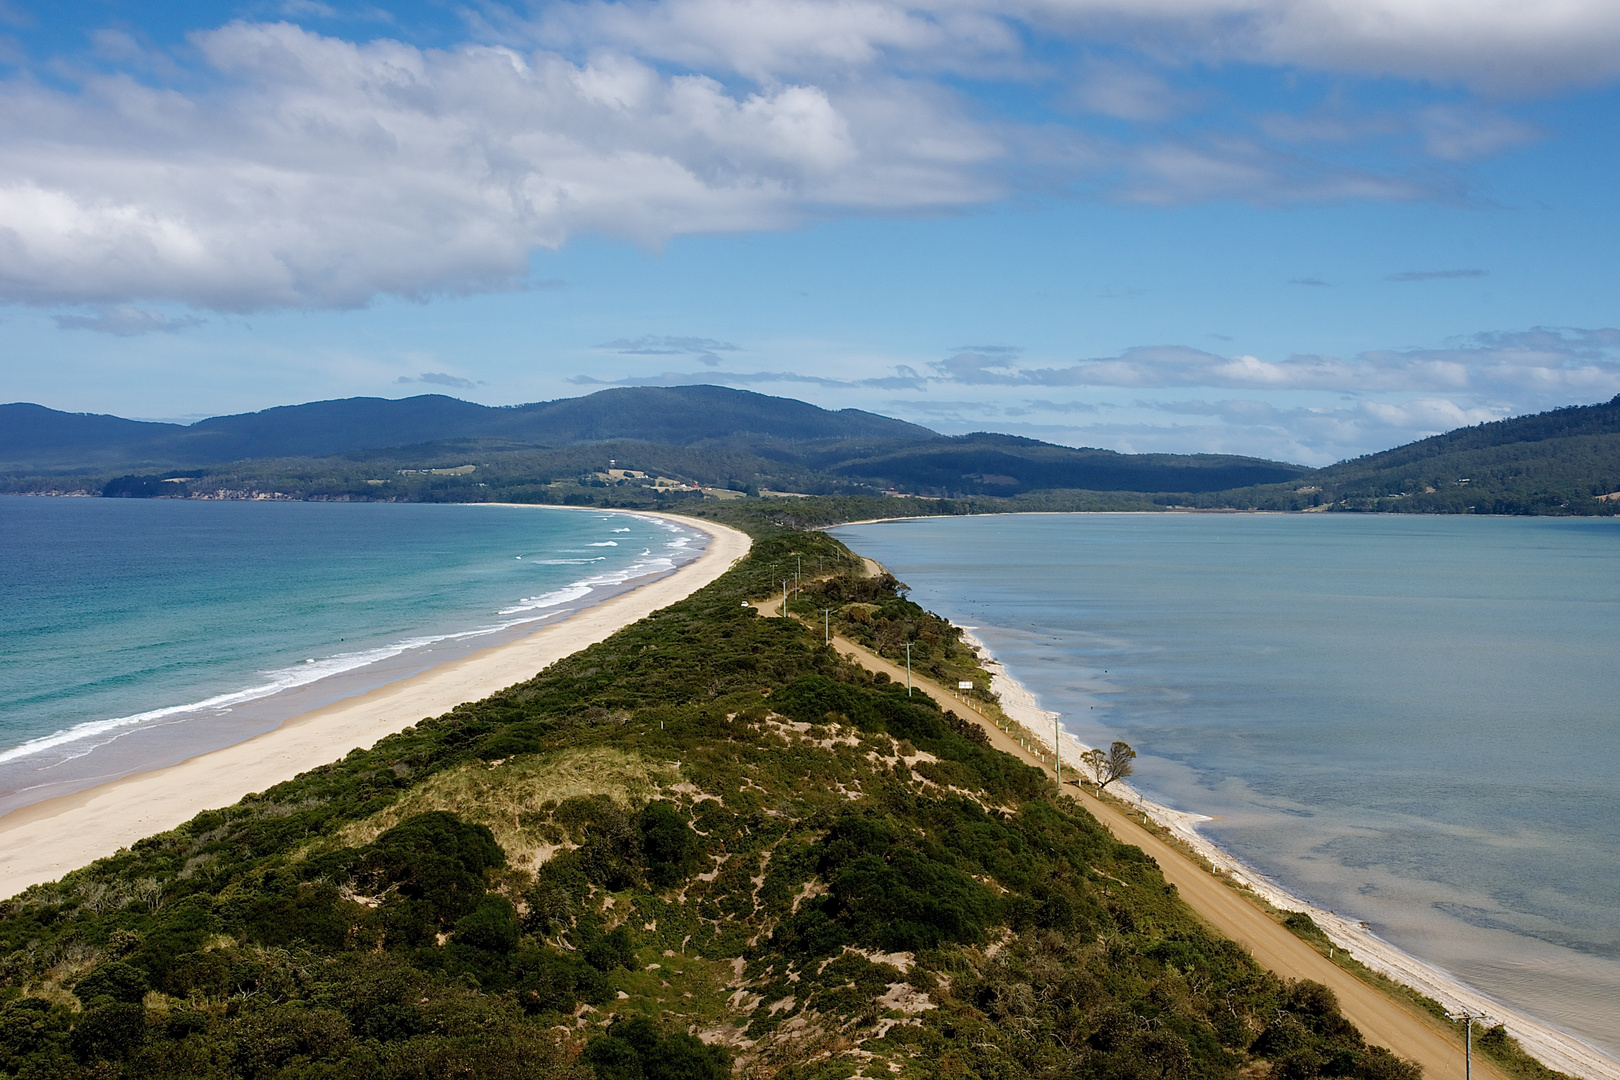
[1554,1048]
[43,841]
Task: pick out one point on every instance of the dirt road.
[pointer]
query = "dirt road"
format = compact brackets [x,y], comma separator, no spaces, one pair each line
[1383,1021]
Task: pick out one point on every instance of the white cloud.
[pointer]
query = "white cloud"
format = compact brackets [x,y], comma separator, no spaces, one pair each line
[703,349]
[439,378]
[1502,45]
[1452,133]
[1428,415]
[785,38]
[127,321]
[1446,132]
[1495,44]
[1227,167]
[322,173]
[301,170]
[904,378]
[1540,361]
[1309,434]
[1310,409]
[307,9]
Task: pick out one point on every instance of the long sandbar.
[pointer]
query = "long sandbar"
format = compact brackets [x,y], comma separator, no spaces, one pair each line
[45,840]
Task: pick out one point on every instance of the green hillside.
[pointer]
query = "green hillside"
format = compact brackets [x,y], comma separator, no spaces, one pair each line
[710,435]
[733,442]
[706,847]
[35,439]
[1560,462]
[988,464]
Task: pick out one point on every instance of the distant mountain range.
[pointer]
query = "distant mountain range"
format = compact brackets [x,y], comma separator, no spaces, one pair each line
[842,449]
[1564,461]
[33,437]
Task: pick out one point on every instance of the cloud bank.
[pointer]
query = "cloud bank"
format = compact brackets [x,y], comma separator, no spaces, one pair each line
[1540,361]
[1174,398]
[268,166]
[328,172]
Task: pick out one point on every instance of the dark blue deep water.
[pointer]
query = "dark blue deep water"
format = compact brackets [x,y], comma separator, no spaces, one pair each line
[1411,720]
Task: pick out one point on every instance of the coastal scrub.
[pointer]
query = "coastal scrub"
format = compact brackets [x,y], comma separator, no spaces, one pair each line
[707,846]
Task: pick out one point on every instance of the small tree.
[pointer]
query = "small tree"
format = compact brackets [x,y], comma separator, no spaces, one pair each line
[1114,764]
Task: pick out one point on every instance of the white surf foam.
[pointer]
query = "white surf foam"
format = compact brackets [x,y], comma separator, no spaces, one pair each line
[528,610]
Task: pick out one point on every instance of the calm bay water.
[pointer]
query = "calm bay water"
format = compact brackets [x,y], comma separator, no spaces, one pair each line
[137,633]
[1414,721]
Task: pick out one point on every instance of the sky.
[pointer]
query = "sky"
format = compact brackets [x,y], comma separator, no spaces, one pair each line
[1297,229]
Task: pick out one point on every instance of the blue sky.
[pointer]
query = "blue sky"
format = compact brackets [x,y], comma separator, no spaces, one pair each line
[1303,229]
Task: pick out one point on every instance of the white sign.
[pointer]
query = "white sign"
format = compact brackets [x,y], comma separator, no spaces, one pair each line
[964,685]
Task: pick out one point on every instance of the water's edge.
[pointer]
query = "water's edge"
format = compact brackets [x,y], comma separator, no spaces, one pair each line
[1555,1048]
[147,742]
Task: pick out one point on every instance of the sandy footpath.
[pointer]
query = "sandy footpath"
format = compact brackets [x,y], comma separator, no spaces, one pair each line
[43,841]
[1554,1048]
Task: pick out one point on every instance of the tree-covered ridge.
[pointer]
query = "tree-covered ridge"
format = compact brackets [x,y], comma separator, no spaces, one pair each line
[433,446]
[1559,462]
[706,846]
[711,443]
[35,437]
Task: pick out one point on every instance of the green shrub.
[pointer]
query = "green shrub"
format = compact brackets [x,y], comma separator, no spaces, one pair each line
[114,982]
[492,926]
[669,846]
[633,1049]
[111,1031]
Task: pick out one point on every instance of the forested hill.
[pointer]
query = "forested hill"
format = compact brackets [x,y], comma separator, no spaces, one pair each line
[1556,426]
[35,438]
[706,847]
[683,439]
[706,435]
[1566,461]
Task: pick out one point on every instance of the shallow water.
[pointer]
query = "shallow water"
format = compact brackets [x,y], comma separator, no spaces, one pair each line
[1409,720]
[141,632]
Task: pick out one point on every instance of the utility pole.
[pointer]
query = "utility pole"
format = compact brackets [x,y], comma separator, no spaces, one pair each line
[908,669]
[1057,751]
[826,624]
[784,598]
[1468,1017]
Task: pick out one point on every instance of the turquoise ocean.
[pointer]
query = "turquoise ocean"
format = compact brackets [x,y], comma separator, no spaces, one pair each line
[1412,721]
[137,633]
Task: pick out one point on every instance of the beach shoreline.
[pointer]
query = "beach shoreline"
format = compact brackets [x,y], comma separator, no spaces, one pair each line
[41,841]
[1553,1047]
[180,724]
